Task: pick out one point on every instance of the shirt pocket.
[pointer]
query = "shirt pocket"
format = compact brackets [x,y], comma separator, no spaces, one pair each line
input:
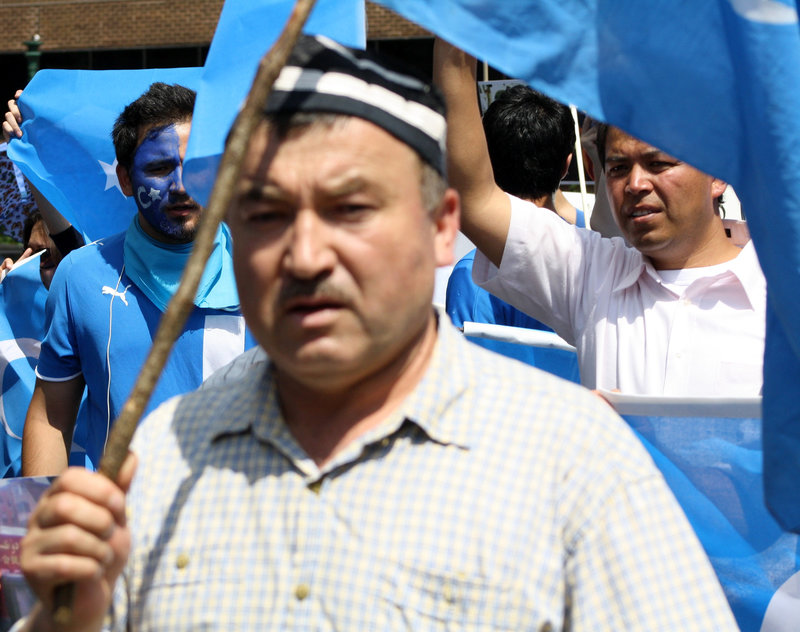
[191,588]
[433,600]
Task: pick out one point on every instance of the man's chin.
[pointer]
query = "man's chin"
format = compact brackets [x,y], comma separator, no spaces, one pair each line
[181,231]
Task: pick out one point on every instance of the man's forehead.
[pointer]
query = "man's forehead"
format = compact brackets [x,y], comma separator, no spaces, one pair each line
[620,144]
[351,159]
[153,130]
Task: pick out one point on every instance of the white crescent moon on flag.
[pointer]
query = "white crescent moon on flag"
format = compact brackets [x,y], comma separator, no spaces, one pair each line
[765,11]
[10,350]
[783,611]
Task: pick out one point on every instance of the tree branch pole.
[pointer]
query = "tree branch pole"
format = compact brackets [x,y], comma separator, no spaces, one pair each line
[182,302]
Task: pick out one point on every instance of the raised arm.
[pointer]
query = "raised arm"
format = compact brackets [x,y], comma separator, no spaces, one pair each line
[55,221]
[485,209]
[47,436]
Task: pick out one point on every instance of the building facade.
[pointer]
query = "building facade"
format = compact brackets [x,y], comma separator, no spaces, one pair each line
[109,34]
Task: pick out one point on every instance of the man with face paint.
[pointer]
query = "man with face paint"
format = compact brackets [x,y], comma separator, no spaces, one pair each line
[106,299]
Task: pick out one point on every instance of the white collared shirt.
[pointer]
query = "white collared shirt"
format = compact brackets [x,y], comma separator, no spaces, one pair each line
[632,332]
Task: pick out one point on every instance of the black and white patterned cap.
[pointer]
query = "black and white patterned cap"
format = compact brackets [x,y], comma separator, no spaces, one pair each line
[323,76]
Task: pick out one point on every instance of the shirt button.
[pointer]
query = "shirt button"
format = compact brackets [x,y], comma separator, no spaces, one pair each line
[182,561]
[301,591]
[448,593]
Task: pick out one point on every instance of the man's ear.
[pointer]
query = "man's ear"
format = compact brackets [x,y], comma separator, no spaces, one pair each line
[124,180]
[566,166]
[447,220]
[718,188]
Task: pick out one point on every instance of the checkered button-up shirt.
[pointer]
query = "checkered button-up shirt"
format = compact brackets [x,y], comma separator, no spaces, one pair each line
[496,497]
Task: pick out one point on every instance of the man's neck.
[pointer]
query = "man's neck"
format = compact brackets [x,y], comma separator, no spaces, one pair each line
[325,421]
[718,249]
[558,203]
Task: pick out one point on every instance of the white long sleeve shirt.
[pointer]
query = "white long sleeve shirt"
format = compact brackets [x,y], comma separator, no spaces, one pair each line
[633,330]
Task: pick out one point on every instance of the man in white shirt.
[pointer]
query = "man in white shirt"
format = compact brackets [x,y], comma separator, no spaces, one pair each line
[681,312]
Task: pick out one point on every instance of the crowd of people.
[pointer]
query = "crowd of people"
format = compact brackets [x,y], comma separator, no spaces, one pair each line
[365,467]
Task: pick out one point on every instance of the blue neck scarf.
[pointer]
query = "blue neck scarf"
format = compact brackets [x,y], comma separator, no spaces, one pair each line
[156,269]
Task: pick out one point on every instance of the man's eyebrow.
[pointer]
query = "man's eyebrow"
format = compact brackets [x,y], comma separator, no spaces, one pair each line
[648,153]
[348,185]
[263,189]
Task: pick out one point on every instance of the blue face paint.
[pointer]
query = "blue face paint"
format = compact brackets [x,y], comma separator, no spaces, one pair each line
[157,180]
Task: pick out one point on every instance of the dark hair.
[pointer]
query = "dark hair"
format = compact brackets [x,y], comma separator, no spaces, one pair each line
[27,228]
[530,137]
[161,105]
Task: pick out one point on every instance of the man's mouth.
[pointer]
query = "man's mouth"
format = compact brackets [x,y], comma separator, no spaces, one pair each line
[183,208]
[311,304]
[642,212]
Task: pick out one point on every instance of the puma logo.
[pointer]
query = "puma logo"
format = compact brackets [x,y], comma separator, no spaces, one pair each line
[113,292]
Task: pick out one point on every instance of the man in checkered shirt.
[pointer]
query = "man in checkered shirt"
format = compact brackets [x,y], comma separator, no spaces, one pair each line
[378,472]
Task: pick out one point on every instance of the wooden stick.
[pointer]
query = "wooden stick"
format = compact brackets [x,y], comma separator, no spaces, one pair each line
[182,302]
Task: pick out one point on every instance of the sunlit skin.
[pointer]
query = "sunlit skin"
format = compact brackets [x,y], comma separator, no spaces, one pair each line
[338,254]
[663,206]
[48,262]
[155,180]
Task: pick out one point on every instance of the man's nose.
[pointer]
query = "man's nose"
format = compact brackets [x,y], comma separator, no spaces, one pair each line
[308,252]
[176,184]
[638,180]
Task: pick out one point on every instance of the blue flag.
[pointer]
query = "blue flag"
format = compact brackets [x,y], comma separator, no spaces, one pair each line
[66,149]
[22,327]
[246,30]
[713,466]
[22,298]
[715,83]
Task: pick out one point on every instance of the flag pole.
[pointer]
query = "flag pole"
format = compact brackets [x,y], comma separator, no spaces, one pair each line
[579,157]
[182,302]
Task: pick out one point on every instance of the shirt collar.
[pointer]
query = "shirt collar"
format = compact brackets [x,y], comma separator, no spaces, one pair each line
[748,272]
[744,267]
[427,405]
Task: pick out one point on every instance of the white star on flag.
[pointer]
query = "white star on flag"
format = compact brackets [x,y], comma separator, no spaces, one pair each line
[111,175]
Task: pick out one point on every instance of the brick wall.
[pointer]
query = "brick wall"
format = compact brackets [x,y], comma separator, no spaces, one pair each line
[382,23]
[86,24]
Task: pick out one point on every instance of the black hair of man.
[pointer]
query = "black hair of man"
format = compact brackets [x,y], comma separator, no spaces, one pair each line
[27,228]
[161,105]
[530,136]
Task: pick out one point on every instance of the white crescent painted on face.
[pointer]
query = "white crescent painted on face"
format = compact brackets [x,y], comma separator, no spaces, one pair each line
[142,203]
[765,11]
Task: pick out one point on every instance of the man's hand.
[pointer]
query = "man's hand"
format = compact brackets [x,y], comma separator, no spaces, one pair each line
[77,533]
[9,263]
[13,119]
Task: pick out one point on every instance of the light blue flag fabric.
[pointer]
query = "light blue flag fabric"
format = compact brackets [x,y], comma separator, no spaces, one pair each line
[245,31]
[716,83]
[22,298]
[22,326]
[713,466]
[66,149]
